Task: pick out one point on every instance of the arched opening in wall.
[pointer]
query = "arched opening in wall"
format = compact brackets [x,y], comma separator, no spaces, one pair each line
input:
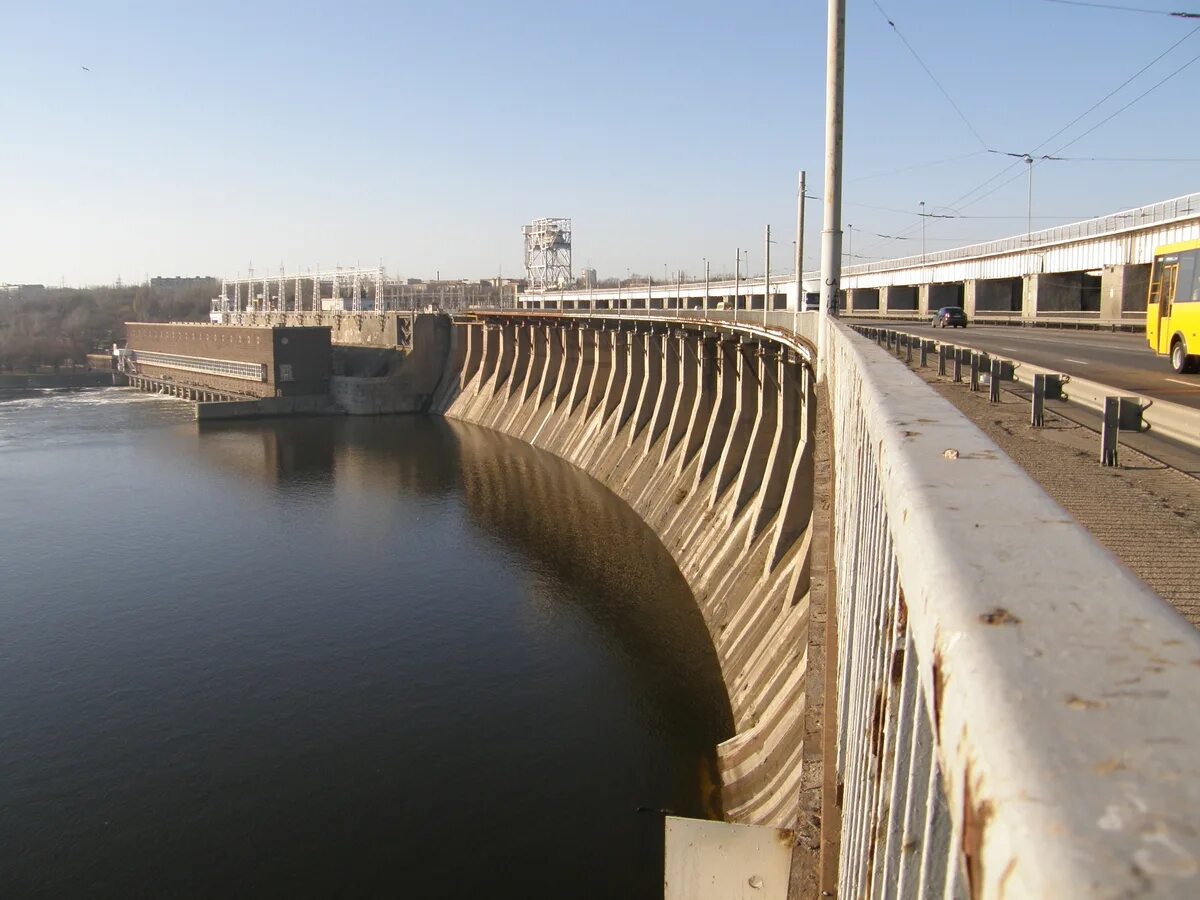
[864,299]
[994,295]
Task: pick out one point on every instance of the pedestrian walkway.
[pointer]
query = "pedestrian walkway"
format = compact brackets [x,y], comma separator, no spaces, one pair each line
[1144,512]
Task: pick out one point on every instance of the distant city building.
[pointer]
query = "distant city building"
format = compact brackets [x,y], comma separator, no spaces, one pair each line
[587,278]
[178,281]
[17,291]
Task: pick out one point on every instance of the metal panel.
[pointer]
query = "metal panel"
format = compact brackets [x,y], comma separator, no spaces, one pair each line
[722,861]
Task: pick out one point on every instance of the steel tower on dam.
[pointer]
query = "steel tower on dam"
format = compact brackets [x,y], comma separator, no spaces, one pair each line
[942,685]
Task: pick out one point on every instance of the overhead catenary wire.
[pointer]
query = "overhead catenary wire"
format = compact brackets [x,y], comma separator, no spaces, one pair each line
[929,72]
[1134,9]
[963,199]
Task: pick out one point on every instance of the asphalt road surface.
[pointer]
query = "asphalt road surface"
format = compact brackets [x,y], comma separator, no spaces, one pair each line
[1121,360]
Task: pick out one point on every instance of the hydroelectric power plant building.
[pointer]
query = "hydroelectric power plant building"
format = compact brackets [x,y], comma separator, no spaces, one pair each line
[199,361]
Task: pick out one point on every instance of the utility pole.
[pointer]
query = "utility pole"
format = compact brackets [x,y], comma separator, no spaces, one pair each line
[831,234]
[922,215]
[737,281]
[767,276]
[800,243]
[706,287]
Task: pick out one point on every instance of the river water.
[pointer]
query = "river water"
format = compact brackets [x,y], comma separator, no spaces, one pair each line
[332,657]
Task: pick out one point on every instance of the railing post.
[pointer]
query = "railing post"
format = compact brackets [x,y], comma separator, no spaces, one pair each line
[908,341]
[924,353]
[1108,434]
[974,371]
[994,386]
[941,359]
[1038,417]
[957,366]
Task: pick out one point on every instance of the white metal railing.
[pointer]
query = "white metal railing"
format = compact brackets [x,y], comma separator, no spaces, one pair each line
[247,371]
[1017,714]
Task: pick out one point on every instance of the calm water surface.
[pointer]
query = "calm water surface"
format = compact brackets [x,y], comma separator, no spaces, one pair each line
[334,657]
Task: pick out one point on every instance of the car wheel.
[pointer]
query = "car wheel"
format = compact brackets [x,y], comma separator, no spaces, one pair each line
[1179,356]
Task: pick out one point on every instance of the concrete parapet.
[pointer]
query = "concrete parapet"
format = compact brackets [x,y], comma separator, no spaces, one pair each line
[1123,289]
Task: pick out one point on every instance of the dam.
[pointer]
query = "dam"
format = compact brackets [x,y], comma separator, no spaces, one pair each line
[939,683]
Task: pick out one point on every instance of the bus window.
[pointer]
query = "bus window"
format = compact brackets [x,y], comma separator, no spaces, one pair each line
[1186,288]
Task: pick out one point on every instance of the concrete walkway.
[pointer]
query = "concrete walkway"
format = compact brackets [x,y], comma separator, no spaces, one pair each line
[1145,513]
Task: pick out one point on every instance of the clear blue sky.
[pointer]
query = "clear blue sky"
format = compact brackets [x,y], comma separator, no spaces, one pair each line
[207,135]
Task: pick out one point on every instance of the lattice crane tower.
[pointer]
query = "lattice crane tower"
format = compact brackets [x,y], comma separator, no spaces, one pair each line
[548,254]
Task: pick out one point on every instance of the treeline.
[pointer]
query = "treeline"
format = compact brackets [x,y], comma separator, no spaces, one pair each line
[60,326]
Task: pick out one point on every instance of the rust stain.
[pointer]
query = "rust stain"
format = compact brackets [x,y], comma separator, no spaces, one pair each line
[1082,703]
[1108,766]
[999,616]
[939,688]
[877,729]
[1002,887]
[976,816]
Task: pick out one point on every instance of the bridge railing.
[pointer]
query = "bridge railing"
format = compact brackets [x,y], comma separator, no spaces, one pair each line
[1017,714]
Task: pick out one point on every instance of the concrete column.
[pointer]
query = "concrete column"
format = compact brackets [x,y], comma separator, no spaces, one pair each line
[1123,289]
[631,387]
[762,439]
[651,384]
[491,353]
[668,388]
[621,340]
[601,369]
[726,404]
[734,454]
[540,351]
[786,375]
[508,349]
[687,348]
[520,372]
[796,510]
[705,360]
[578,360]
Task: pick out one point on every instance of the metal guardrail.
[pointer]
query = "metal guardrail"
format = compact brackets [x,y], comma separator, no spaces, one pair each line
[1172,420]
[1017,714]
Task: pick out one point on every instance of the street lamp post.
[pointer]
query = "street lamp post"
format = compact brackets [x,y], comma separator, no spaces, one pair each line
[706,287]
[767,276]
[737,281]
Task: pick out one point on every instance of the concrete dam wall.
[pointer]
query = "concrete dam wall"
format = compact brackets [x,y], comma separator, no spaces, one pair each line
[707,432]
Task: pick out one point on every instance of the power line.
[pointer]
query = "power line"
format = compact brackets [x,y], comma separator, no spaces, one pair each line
[1136,9]
[929,72]
[1094,106]
[924,165]
[1115,90]
[1149,90]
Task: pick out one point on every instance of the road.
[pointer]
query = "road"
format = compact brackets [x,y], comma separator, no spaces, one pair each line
[1121,360]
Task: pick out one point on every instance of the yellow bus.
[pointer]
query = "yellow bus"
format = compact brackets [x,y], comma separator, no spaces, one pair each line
[1173,307]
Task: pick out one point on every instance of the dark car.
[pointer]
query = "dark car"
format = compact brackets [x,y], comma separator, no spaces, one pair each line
[950,316]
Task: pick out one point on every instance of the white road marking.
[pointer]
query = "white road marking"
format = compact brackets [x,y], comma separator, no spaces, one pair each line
[1081,362]
[1191,384]
[1010,349]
